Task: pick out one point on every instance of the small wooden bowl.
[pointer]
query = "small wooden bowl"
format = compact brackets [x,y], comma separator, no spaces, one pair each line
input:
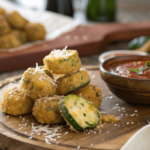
[128,89]
[114,53]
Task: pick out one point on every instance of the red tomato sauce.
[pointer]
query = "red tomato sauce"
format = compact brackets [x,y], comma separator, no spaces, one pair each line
[123,69]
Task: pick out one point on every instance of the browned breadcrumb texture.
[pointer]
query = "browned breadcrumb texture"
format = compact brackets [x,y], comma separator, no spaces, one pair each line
[62,61]
[107,119]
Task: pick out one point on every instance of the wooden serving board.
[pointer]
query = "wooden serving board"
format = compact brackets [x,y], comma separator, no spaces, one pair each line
[88,39]
[112,137]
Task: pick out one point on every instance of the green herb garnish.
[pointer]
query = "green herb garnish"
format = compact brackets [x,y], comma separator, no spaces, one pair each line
[50,61]
[30,88]
[62,60]
[140,70]
[97,94]
[41,89]
[51,109]
[26,81]
[54,99]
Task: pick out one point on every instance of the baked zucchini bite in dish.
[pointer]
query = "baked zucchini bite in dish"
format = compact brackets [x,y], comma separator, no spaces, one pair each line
[46,110]
[16,20]
[72,82]
[62,61]
[4,26]
[36,83]
[16,102]
[20,35]
[79,113]
[35,31]
[92,93]
[9,41]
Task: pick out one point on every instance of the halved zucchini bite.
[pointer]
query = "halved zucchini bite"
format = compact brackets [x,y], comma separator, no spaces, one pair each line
[79,113]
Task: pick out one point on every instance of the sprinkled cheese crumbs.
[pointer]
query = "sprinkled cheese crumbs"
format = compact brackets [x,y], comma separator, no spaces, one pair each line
[93,76]
[60,53]
[38,70]
[50,133]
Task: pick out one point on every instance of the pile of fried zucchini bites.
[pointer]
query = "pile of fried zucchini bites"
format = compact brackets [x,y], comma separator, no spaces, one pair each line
[16,30]
[60,90]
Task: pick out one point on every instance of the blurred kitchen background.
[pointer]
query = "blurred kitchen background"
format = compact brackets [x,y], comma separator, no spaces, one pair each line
[124,11]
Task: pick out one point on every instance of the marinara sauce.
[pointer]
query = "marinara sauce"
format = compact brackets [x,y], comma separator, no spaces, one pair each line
[123,69]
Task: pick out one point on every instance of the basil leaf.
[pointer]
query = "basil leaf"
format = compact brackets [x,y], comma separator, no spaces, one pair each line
[147,63]
[134,70]
[140,70]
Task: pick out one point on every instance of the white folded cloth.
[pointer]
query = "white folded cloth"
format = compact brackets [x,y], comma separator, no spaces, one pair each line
[139,141]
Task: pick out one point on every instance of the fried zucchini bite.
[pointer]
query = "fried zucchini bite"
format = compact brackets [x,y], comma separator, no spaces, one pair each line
[72,82]
[35,31]
[16,20]
[91,93]
[36,83]
[62,61]
[46,110]
[20,35]
[9,41]
[79,113]
[16,102]
[4,26]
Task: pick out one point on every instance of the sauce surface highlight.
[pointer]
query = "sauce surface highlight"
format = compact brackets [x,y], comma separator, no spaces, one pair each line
[123,69]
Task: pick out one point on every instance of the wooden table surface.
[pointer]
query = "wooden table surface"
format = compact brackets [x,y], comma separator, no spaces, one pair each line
[16,132]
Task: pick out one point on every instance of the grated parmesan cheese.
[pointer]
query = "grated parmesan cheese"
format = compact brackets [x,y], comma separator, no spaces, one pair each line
[50,133]
[60,53]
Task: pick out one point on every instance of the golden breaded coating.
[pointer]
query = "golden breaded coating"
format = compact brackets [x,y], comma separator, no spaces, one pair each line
[9,41]
[109,118]
[35,31]
[20,35]
[91,93]
[62,61]
[46,71]
[16,20]
[46,110]
[72,82]
[2,11]
[36,83]
[4,26]
[16,102]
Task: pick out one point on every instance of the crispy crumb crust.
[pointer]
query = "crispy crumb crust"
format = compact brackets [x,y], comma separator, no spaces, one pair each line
[16,102]
[92,93]
[46,110]
[37,84]
[66,63]
[72,82]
